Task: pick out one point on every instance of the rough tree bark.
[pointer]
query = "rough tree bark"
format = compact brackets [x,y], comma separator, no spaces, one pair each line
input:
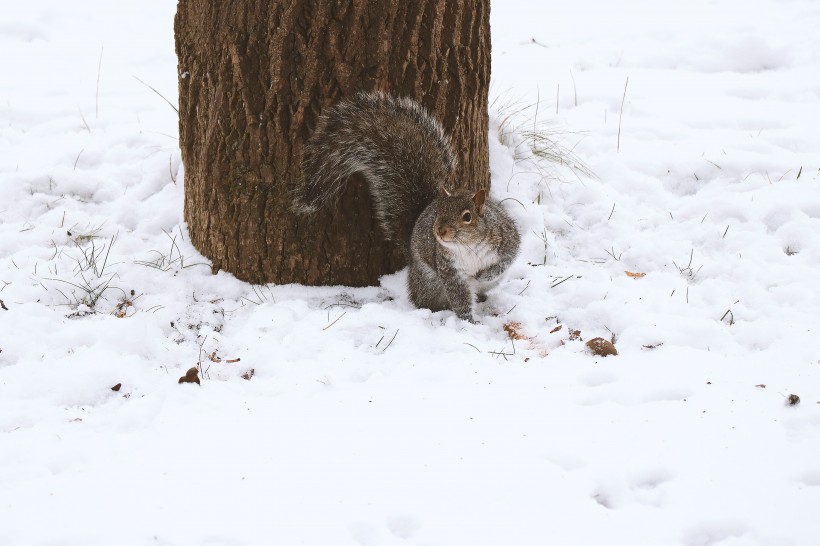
[253,77]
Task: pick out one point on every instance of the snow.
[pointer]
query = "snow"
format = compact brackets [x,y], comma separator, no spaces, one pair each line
[368,422]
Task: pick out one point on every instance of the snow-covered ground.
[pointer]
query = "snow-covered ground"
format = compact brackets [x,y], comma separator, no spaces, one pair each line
[368,422]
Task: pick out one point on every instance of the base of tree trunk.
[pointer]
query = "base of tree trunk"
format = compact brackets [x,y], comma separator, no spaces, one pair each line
[254,76]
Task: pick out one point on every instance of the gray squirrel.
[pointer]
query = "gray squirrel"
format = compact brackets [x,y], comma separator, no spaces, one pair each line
[458,243]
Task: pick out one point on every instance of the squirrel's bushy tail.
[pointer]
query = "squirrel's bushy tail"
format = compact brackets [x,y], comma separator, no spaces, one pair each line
[399,148]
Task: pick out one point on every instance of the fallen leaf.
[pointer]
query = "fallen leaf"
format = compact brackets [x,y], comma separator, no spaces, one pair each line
[635,275]
[247,375]
[602,347]
[191,376]
[116,387]
[513,330]
[792,400]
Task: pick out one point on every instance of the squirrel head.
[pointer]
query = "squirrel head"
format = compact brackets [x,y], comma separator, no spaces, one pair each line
[459,216]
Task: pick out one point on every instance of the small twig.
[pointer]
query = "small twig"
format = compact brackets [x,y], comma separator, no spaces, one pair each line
[78,159]
[200,359]
[502,354]
[611,212]
[329,305]
[473,346]
[105,261]
[335,321]
[82,117]
[513,199]
[612,253]
[562,281]
[391,340]
[725,232]
[621,115]
[171,170]
[158,93]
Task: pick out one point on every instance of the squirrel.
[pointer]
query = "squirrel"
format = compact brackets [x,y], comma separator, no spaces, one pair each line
[457,243]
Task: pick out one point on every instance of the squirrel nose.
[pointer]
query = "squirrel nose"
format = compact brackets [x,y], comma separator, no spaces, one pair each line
[442,231]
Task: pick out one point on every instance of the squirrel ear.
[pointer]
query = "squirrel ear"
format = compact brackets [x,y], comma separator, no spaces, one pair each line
[478,199]
[442,191]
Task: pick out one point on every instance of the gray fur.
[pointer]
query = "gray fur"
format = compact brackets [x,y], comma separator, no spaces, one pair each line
[405,157]
[400,149]
[445,276]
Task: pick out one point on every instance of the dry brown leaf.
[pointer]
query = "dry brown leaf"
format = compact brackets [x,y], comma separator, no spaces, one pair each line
[191,376]
[635,275]
[601,347]
[513,330]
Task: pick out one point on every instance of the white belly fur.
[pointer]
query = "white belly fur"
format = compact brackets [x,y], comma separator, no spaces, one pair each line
[470,260]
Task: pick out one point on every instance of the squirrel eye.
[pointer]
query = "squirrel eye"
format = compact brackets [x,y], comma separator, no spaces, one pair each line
[467,217]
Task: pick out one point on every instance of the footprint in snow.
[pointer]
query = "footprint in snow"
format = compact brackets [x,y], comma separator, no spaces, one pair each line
[635,398]
[403,526]
[598,378]
[644,488]
[716,533]
[810,478]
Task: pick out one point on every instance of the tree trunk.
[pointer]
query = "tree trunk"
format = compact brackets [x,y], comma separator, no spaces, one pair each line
[253,77]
